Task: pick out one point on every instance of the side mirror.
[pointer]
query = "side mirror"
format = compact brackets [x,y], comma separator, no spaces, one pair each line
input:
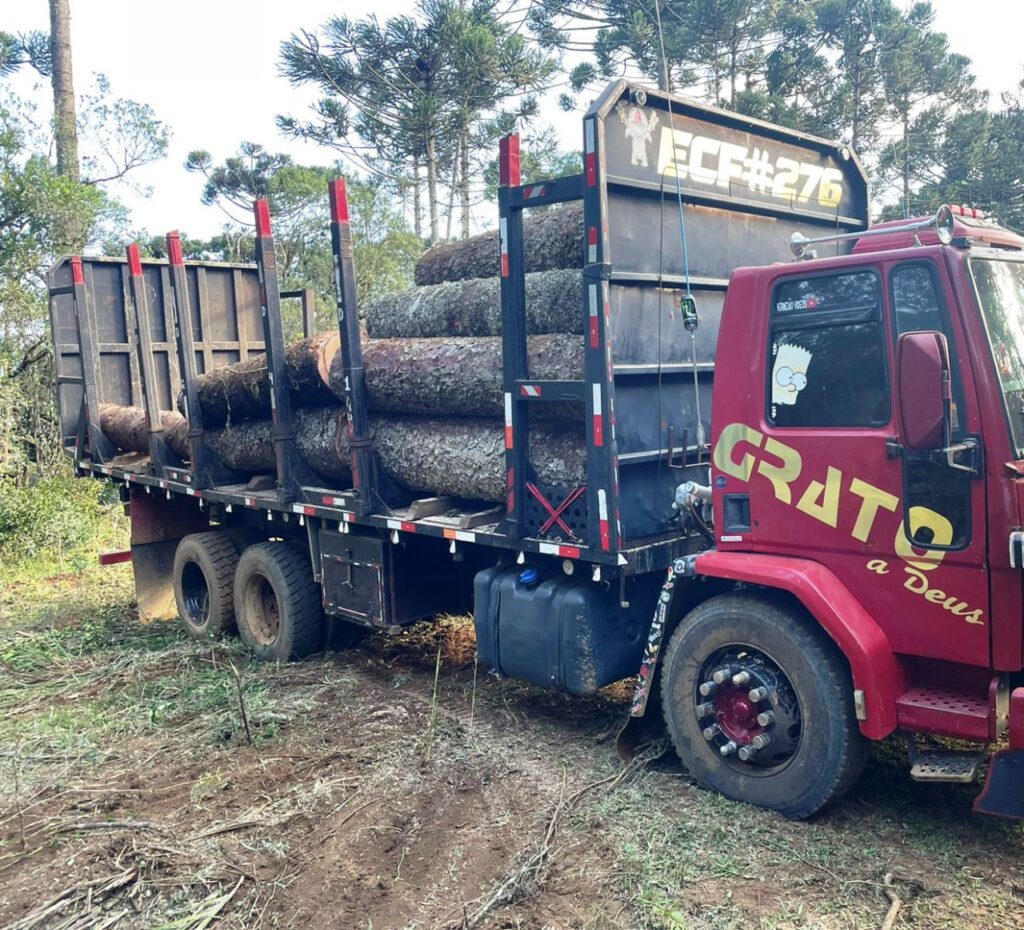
[924,389]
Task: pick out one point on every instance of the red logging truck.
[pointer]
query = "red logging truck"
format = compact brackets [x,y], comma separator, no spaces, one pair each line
[801,524]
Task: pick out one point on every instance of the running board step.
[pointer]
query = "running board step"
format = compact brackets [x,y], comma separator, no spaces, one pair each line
[949,765]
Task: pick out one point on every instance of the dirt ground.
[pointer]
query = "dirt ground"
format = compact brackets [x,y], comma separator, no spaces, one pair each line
[396,785]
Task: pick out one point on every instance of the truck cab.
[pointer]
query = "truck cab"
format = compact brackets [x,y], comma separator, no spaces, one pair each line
[868,451]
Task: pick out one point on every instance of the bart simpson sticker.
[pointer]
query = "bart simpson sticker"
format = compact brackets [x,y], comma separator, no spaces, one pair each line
[789,376]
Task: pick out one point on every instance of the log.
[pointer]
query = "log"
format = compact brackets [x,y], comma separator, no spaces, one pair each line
[126,428]
[457,457]
[242,391]
[458,376]
[554,304]
[553,239]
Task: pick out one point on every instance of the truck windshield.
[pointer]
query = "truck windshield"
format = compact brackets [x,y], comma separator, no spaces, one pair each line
[1000,287]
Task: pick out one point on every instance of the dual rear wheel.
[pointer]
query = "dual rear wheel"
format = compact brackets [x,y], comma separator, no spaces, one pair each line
[230,580]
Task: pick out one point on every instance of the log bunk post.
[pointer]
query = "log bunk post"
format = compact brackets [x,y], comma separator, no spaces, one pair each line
[365,476]
[283,425]
[161,458]
[90,441]
[532,509]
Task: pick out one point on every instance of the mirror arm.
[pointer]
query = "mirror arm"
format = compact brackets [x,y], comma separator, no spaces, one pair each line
[972,445]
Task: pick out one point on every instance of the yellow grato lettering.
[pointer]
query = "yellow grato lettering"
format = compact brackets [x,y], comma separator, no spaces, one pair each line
[871,498]
[731,437]
[821,501]
[942,535]
[781,476]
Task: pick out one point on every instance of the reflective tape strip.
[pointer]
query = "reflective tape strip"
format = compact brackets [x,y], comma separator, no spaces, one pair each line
[598,418]
[460,535]
[304,509]
[592,244]
[401,525]
[591,154]
[530,390]
[593,316]
[503,238]
[508,420]
[602,513]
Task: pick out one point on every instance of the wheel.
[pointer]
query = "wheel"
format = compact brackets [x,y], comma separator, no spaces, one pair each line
[204,579]
[277,602]
[759,705]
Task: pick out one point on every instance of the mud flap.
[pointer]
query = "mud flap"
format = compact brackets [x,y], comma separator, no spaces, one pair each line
[1003,794]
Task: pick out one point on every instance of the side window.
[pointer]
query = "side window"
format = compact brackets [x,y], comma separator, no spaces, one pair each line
[826,364]
[928,481]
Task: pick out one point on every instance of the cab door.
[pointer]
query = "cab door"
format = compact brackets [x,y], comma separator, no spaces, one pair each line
[839,488]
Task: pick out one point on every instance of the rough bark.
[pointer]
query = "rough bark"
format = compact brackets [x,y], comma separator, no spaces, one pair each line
[65,125]
[554,304]
[553,239]
[126,428]
[248,446]
[458,376]
[242,391]
[458,457]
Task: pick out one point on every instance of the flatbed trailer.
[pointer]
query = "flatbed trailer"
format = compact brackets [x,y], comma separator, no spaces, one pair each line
[780,660]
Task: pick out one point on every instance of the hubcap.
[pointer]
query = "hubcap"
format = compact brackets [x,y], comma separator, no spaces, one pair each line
[262,611]
[748,710]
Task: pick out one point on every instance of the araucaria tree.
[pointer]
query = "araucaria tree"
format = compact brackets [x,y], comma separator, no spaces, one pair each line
[406,99]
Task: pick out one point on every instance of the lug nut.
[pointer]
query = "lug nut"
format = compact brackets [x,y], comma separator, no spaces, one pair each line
[766,718]
[708,688]
[761,740]
[758,694]
[712,731]
[706,709]
[722,675]
[729,748]
[746,753]
[740,678]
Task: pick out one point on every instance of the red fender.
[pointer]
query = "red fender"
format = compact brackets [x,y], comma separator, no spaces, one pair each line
[876,671]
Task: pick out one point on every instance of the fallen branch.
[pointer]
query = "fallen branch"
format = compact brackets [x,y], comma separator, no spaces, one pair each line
[241,702]
[894,903]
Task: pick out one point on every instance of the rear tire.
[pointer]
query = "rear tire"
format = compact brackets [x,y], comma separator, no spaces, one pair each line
[815,750]
[277,602]
[204,578]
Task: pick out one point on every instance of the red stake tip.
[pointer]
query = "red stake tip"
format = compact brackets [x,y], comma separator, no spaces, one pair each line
[174,253]
[339,201]
[77,273]
[134,262]
[262,210]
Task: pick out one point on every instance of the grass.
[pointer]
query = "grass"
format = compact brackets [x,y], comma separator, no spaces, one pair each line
[404,755]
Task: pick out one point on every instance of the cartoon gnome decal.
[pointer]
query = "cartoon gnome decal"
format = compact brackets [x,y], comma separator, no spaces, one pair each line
[789,376]
[639,128]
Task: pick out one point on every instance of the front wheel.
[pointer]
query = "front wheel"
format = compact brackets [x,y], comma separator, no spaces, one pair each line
[759,705]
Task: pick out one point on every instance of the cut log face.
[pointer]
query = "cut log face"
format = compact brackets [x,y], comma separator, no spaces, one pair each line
[553,239]
[554,304]
[242,391]
[458,376]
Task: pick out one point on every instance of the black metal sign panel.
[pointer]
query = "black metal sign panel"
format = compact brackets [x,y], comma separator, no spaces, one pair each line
[715,154]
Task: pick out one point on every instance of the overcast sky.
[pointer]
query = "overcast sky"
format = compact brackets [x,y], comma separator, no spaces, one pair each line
[209,69]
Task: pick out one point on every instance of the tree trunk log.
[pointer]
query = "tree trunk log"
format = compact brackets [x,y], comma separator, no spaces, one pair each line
[126,428]
[454,456]
[458,376]
[242,391]
[553,239]
[554,304]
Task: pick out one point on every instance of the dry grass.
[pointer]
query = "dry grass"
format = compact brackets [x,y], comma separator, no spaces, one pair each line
[396,786]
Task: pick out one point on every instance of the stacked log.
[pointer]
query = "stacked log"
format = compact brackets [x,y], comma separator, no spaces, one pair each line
[552,239]
[455,456]
[554,304]
[433,372]
[242,391]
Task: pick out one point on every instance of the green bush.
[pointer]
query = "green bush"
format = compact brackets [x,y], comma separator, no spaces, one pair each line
[51,517]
